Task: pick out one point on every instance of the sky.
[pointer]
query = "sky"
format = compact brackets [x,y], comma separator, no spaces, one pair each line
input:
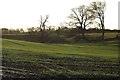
[26,13]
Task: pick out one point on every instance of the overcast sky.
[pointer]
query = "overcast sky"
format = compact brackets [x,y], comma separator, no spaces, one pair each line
[26,13]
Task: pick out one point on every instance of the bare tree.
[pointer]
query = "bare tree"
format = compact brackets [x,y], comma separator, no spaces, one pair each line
[99,8]
[43,23]
[43,33]
[81,18]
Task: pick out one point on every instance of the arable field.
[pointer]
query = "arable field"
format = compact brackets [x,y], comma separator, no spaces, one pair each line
[22,59]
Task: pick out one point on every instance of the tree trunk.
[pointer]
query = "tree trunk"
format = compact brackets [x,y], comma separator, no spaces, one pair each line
[83,35]
[103,32]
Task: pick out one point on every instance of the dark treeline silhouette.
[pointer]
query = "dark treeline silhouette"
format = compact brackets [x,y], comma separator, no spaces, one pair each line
[51,35]
[12,31]
[76,30]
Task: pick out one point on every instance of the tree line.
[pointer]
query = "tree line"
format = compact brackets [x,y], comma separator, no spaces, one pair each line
[80,21]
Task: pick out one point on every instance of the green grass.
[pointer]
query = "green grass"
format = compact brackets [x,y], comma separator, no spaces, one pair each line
[85,59]
[94,49]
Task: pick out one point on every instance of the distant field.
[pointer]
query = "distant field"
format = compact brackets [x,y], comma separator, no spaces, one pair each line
[52,38]
[107,34]
[38,60]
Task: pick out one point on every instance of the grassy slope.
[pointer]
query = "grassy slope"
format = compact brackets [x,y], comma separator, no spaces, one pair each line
[102,49]
[86,58]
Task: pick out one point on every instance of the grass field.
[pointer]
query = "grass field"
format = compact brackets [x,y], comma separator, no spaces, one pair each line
[23,59]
